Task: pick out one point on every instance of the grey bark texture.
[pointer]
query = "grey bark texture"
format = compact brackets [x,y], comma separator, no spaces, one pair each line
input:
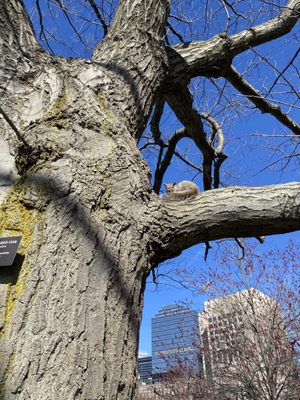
[91,227]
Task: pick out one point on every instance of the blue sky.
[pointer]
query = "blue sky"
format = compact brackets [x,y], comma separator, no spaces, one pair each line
[249,154]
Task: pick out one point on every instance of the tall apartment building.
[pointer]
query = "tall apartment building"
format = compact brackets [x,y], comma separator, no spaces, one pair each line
[245,345]
[175,340]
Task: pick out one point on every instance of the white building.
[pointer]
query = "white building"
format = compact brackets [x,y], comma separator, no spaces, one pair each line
[244,343]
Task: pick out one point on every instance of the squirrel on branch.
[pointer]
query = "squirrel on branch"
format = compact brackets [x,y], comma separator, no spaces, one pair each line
[180,191]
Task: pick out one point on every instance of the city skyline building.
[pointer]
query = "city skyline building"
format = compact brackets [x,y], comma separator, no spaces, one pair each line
[245,346]
[237,344]
[145,368]
[175,340]
[224,327]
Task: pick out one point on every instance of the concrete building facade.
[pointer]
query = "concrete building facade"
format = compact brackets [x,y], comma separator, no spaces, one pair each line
[245,346]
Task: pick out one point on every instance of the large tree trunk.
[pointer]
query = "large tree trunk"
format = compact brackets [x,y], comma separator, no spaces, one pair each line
[71,307]
[72,304]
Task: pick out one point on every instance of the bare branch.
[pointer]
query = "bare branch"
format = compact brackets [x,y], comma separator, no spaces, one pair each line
[231,212]
[185,21]
[217,167]
[155,120]
[280,74]
[68,18]
[99,16]
[285,69]
[241,246]
[220,156]
[187,162]
[14,128]
[162,166]
[42,29]
[232,8]
[212,57]
[216,131]
[207,248]
[175,33]
[256,98]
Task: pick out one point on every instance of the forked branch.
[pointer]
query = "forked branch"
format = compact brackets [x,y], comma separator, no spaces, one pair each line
[212,57]
[181,101]
[216,132]
[165,161]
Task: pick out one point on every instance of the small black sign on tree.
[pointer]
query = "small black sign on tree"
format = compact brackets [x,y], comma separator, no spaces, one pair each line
[8,250]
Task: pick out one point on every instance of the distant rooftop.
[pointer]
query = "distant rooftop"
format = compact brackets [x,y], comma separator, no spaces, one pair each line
[231,297]
[143,354]
[172,309]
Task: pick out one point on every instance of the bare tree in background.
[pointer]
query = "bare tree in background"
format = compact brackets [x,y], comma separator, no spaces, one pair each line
[247,350]
[92,227]
[250,325]
[177,386]
[180,383]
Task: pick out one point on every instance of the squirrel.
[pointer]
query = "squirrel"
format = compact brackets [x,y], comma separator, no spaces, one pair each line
[180,191]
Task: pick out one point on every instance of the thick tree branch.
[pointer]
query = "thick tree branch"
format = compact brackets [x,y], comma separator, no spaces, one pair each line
[224,213]
[267,31]
[133,53]
[259,101]
[162,166]
[20,54]
[143,19]
[17,38]
[211,57]
[19,49]
[181,101]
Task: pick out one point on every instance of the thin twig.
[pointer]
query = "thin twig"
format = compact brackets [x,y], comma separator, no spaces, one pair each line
[42,32]
[99,16]
[14,128]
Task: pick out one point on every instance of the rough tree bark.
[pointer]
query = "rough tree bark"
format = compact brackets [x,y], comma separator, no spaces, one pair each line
[91,227]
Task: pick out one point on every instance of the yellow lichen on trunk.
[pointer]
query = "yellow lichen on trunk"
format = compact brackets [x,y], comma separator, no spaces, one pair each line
[16,220]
